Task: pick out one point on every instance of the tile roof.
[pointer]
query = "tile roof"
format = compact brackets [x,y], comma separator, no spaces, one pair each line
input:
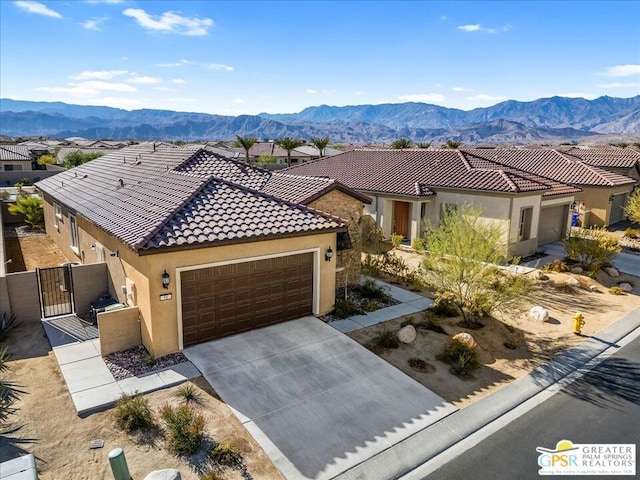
[606,157]
[552,164]
[14,152]
[417,172]
[140,196]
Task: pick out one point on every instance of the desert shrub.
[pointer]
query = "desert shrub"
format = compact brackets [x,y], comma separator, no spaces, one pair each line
[9,391]
[224,454]
[418,244]
[371,233]
[396,239]
[133,413]
[345,308]
[385,338]
[632,233]
[461,357]
[431,322]
[150,359]
[557,266]
[592,248]
[564,287]
[7,322]
[442,306]
[409,320]
[371,264]
[584,282]
[185,429]
[616,291]
[370,289]
[188,393]
[212,475]
[369,305]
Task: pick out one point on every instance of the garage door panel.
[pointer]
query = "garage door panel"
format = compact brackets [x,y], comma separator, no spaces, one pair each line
[552,224]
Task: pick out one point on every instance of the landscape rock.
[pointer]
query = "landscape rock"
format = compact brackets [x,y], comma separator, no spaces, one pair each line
[612,272]
[539,313]
[594,288]
[577,270]
[466,338]
[540,275]
[625,287]
[573,282]
[407,334]
[167,474]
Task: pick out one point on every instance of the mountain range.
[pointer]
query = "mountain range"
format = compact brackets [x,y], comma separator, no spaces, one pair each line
[546,120]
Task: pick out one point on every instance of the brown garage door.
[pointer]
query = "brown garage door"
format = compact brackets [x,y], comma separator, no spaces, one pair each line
[553,222]
[220,301]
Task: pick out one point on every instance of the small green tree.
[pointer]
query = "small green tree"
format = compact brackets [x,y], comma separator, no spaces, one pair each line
[632,208]
[461,265]
[30,207]
[246,143]
[288,144]
[267,159]
[452,144]
[424,144]
[320,143]
[591,247]
[401,143]
[47,160]
[77,158]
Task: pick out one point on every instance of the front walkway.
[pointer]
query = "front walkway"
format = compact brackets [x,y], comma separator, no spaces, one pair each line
[91,384]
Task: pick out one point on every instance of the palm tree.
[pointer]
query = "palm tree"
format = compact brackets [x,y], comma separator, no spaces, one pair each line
[402,143]
[452,144]
[246,143]
[30,207]
[288,144]
[320,143]
[424,144]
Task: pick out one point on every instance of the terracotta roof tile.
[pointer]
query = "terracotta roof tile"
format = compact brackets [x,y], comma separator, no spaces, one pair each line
[606,157]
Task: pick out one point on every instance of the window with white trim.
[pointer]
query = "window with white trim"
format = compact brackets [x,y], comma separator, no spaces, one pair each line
[524,232]
[73,229]
[57,215]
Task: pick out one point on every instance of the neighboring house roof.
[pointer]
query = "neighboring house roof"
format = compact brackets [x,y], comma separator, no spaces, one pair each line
[35,146]
[552,164]
[6,139]
[417,172]
[312,151]
[606,157]
[14,153]
[152,199]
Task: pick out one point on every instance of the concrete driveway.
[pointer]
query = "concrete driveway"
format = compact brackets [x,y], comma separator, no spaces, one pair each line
[316,401]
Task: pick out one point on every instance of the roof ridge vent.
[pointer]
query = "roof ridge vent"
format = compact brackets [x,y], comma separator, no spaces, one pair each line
[120,183]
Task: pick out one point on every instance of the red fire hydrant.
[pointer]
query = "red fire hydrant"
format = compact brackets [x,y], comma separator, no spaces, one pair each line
[578,323]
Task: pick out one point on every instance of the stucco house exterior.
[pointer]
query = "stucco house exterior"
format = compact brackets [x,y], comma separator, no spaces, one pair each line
[623,161]
[203,246]
[15,158]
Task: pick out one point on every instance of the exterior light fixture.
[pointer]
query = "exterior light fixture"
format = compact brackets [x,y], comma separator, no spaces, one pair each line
[328,254]
[166,279]
[611,198]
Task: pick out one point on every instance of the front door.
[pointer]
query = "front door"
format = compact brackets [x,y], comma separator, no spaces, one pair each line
[401,218]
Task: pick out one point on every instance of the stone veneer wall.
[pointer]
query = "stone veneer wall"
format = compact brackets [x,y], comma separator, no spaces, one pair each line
[349,209]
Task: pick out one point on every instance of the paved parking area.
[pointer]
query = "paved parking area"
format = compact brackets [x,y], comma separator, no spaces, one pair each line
[316,401]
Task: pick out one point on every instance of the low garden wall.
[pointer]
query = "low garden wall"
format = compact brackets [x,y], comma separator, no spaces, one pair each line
[119,330]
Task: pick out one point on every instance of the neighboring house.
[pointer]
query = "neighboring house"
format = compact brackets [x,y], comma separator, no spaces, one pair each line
[623,161]
[36,150]
[412,186]
[237,247]
[64,151]
[314,154]
[603,193]
[299,155]
[14,158]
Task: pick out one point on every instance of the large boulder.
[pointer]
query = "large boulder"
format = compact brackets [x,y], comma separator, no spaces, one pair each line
[464,337]
[539,313]
[612,272]
[574,282]
[407,334]
[166,474]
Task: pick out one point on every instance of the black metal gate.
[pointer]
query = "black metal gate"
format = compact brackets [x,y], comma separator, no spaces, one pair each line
[56,291]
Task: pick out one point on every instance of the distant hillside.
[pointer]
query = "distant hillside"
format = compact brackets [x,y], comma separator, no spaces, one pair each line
[547,120]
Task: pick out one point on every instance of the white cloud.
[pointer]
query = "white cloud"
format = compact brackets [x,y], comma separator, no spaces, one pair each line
[485,98]
[179,80]
[220,66]
[620,85]
[37,8]
[94,23]
[108,86]
[311,91]
[622,71]
[443,18]
[169,65]
[144,80]
[170,22]
[462,89]
[239,101]
[76,91]
[469,28]
[165,89]
[423,97]
[99,74]
[476,27]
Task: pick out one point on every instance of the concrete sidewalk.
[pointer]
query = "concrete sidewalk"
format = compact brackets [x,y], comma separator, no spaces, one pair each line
[411,453]
[91,384]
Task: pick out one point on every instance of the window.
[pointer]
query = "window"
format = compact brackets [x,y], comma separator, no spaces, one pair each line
[343,241]
[57,210]
[12,167]
[73,227]
[524,232]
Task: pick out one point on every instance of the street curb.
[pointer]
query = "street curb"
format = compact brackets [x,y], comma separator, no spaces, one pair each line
[409,454]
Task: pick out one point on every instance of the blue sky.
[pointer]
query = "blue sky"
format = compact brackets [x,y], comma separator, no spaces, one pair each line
[237,57]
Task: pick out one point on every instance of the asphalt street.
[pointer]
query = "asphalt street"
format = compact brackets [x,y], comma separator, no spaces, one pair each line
[603,406]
